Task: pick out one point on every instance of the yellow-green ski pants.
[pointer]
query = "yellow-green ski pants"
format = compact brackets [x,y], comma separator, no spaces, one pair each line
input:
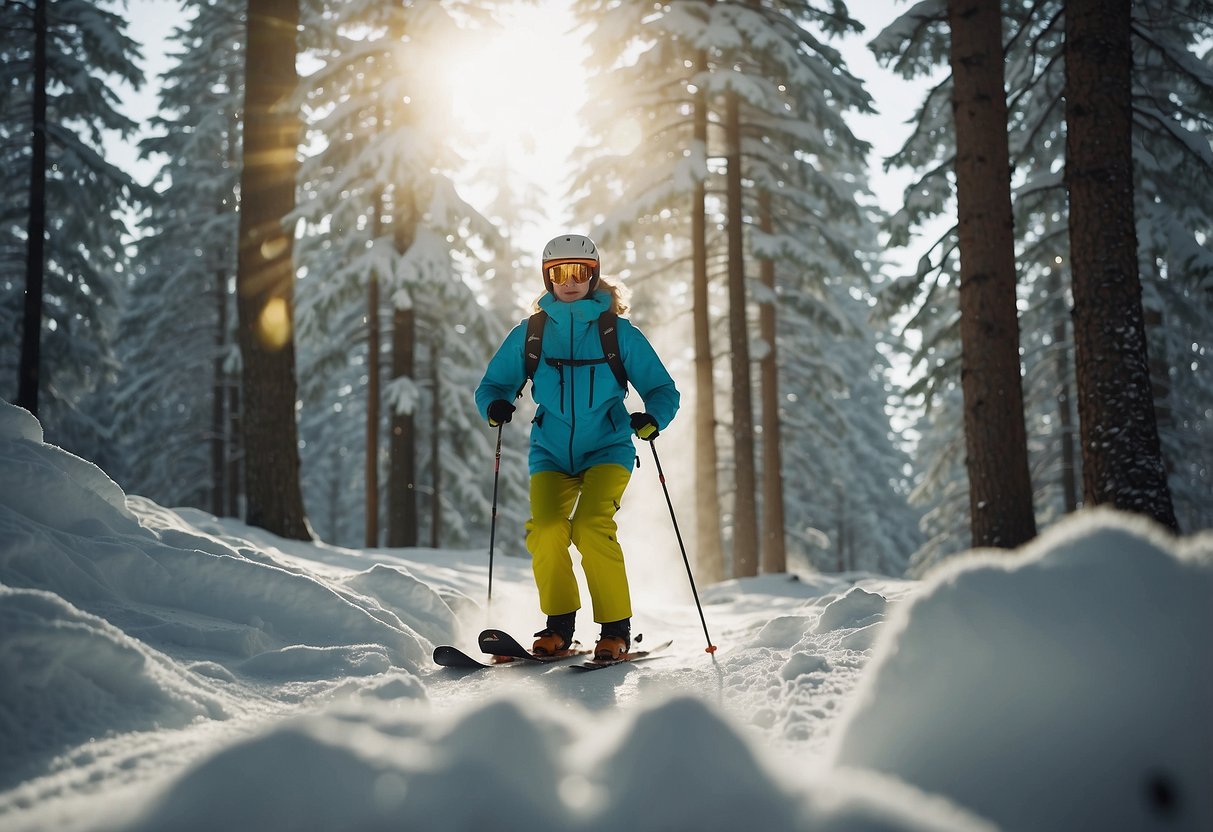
[591,528]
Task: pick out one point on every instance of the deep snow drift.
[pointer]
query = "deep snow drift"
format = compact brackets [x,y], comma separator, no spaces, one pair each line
[166,670]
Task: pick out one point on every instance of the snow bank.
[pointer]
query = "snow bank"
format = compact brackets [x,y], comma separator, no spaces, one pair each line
[119,615]
[65,675]
[517,765]
[1065,687]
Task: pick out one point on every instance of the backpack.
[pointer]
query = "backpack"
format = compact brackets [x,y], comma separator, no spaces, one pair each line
[608,334]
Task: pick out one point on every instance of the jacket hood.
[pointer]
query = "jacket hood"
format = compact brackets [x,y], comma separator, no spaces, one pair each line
[584,311]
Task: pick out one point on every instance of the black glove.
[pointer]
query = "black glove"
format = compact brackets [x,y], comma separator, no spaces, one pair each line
[645,426]
[500,411]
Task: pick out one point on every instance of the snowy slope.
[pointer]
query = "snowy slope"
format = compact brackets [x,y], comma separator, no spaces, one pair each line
[165,670]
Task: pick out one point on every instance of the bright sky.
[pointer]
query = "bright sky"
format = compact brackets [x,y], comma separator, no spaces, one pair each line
[527,84]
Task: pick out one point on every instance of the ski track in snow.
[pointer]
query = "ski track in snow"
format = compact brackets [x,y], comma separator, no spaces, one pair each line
[162,669]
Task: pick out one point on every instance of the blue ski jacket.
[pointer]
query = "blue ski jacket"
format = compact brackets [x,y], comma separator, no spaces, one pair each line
[581,420]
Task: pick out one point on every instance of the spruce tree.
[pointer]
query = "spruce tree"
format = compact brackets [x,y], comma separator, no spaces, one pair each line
[57,102]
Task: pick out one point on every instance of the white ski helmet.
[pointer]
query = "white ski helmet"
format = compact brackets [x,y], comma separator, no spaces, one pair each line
[571,248]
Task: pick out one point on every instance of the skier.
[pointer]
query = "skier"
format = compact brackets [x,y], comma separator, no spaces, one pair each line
[581,444]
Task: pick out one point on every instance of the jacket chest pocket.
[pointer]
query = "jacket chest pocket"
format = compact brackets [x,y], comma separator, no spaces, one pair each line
[572,374]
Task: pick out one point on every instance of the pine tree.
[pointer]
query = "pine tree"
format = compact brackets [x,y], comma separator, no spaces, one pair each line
[796,149]
[265,274]
[176,433]
[382,212]
[1122,460]
[996,455]
[1171,106]
[69,328]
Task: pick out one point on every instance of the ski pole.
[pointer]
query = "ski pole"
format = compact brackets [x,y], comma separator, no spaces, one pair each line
[493,523]
[711,648]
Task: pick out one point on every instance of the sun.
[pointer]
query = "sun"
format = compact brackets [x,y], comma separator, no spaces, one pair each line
[516,93]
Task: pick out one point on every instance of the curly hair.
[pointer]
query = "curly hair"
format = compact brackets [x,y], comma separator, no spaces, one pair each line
[619,296]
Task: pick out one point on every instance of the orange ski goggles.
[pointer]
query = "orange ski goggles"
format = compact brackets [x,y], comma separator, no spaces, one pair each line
[575,271]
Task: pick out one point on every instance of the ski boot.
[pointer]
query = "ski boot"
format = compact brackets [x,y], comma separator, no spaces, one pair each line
[614,640]
[557,636]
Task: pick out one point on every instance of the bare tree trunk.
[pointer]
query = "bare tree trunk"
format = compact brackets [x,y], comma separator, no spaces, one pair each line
[402,472]
[336,509]
[745,511]
[436,417]
[35,253]
[1000,488]
[1069,479]
[235,449]
[1160,377]
[843,524]
[774,551]
[709,552]
[372,412]
[265,274]
[1122,461]
[219,399]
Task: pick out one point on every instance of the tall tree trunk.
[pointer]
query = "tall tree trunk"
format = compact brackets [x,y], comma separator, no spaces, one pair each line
[402,473]
[774,551]
[844,527]
[1000,488]
[436,417]
[265,274]
[402,446]
[336,491]
[745,512]
[1065,406]
[219,399]
[1160,376]
[35,252]
[1122,461]
[372,412]
[709,552]
[235,448]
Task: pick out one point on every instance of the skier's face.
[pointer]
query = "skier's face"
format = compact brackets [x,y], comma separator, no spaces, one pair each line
[570,280]
[571,291]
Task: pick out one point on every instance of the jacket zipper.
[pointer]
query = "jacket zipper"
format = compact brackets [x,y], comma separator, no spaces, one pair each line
[572,397]
[591,387]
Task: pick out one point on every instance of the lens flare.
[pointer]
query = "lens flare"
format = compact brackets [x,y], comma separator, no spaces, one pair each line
[273,248]
[274,325]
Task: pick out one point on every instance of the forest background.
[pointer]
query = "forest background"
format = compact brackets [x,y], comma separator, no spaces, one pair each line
[721,153]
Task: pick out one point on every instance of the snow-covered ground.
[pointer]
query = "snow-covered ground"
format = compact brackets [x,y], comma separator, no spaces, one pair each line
[166,670]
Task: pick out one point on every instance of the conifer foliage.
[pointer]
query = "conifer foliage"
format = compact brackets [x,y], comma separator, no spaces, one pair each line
[789,196]
[60,66]
[387,314]
[1171,89]
[178,323]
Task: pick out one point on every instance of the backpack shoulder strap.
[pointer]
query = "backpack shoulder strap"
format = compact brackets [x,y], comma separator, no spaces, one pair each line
[532,346]
[608,332]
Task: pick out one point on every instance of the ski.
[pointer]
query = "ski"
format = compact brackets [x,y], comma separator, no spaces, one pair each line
[447,656]
[505,649]
[628,658]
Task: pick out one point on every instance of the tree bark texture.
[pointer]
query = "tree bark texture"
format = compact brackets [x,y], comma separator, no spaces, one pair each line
[709,551]
[30,377]
[1000,489]
[1122,462]
[774,552]
[745,509]
[265,276]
